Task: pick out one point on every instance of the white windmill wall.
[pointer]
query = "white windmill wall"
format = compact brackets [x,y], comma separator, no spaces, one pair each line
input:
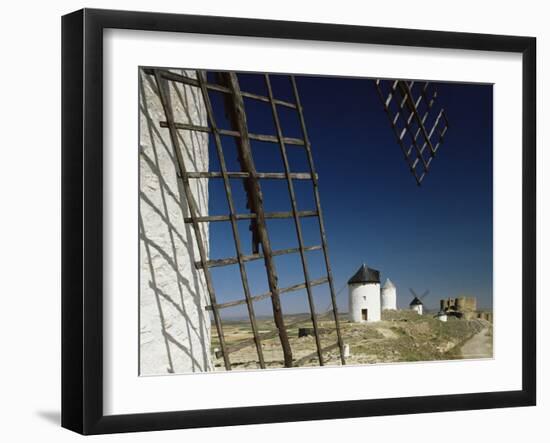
[174,332]
[364,296]
[442,317]
[389,297]
[417,308]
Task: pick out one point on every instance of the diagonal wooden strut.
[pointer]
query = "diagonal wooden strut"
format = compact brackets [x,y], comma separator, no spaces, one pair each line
[296,218]
[322,231]
[238,118]
[423,140]
[233,219]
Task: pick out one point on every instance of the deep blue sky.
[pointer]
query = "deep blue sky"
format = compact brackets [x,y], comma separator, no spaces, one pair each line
[437,236]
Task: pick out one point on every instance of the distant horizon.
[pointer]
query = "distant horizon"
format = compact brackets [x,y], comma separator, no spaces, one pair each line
[245,317]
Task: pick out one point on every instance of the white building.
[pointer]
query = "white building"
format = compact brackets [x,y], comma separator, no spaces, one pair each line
[364,295]
[416,305]
[389,295]
[441,316]
[174,332]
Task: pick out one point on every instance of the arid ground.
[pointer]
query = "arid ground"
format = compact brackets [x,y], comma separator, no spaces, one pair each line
[401,336]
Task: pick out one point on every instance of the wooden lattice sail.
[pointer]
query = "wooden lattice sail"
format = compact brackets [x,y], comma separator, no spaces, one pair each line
[234,107]
[411,107]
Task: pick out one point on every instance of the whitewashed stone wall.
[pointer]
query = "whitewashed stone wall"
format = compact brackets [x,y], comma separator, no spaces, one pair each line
[174,326]
[364,296]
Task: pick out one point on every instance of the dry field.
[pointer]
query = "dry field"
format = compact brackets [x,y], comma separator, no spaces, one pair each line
[401,336]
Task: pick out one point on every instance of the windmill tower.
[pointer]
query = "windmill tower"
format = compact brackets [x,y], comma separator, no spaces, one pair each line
[389,295]
[166,259]
[364,295]
[416,303]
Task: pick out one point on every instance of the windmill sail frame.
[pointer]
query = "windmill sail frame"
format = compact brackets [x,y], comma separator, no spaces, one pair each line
[234,105]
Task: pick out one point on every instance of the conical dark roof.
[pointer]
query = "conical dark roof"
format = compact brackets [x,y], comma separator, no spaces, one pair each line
[416,301]
[365,275]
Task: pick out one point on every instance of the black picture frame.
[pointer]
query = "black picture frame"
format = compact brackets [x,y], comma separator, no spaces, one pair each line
[82,218]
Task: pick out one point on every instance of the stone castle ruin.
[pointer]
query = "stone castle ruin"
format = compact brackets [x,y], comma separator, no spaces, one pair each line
[464,307]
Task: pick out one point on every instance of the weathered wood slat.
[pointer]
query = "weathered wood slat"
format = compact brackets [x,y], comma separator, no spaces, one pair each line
[407,92]
[393,124]
[172,76]
[246,258]
[231,133]
[260,175]
[322,230]
[297,224]
[297,287]
[267,215]
[168,75]
[237,115]
[431,132]
[267,100]
[232,212]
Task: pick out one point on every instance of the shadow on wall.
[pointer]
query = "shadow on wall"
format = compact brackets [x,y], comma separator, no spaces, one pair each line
[174,326]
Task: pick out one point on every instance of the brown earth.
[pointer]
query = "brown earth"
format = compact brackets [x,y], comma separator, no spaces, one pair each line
[479,346]
[401,336]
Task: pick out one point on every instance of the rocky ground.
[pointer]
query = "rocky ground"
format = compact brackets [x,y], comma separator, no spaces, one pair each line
[401,336]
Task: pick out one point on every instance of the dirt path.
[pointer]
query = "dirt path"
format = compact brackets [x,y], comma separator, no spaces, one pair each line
[479,346]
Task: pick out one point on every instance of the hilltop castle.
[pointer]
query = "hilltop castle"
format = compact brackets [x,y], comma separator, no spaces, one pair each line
[463,307]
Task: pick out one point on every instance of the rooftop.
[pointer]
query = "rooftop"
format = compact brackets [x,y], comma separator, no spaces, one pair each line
[365,275]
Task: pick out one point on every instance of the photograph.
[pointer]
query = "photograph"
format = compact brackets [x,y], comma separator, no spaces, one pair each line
[266,222]
[292,221]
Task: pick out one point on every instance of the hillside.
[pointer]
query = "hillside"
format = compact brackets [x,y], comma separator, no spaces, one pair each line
[401,336]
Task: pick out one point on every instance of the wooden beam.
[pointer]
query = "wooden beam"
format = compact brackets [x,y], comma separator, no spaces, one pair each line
[267,216]
[267,294]
[238,119]
[297,224]
[232,215]
[260,175]
[322,230]
[231,133]
[214,263]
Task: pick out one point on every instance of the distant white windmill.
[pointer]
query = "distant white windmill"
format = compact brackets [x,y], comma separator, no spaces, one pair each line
[364,295]
[416,303]
[388,295]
